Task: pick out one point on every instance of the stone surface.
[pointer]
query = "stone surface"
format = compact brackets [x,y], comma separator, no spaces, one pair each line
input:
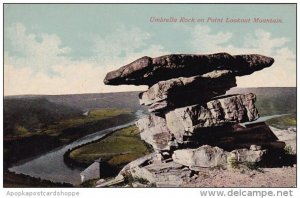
[161,174]
[186,166]
[233,178]
[246,155]
[179,92]
[139,185]
[230,109]
[192,127]
[208,156]
[229,137]
[254,147]
[289,137]
[117,180]
[148,71]
[204,156]
[154,131]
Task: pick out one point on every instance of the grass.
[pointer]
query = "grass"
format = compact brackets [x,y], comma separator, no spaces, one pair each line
[89,183]
[129,180]
[95,115]
[12,180]
[271,102]
[27,143]
[283,122]
[232,161]
[288,149]
[57,128]
[252,166]
[120,148]
[21,131]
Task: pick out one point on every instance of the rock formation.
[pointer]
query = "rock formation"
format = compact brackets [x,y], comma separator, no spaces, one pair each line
[185,91]
[207,156]
[148,71]
[192,124]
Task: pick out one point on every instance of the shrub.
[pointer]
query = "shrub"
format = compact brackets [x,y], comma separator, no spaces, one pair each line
[289,149]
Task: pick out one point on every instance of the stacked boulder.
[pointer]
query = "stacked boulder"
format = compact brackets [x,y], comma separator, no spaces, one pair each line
[191,121]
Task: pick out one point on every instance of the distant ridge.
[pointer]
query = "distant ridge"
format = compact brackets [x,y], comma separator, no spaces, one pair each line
[270,91]
[88,101]
[130,100]
[29,110]
[232,90]
[272,100]
[32,112]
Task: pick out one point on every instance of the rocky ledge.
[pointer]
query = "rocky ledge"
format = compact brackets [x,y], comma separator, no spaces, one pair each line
[148,71]
[192,125]
[184,91]
[205,166]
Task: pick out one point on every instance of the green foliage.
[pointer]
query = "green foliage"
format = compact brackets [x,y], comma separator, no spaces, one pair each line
[12,180]
[289,150]
[272,101]
[123,159]
[21,131]
[218,167]
[119,148]
[24,143]
[203,174]
[234,164]
[283,122]
[95,115]
[106,113]
[252,166]
[232,161]
[89,183]
[33,114]
[129,179]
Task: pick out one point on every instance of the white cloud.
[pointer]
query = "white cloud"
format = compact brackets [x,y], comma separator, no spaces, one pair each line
[78,78]
[203,39]
[124,46]
[43,54]
[37,51]
[43,64]
[120,42]
[281,73]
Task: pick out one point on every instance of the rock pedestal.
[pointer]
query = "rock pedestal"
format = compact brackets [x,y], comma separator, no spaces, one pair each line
[191,122]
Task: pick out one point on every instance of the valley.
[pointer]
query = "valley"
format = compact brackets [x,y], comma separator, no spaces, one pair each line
[37,125]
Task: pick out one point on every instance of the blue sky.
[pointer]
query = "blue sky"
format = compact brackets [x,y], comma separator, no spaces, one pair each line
[56,49]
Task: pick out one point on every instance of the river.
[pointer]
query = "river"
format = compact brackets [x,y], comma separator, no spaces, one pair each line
[265,118]
[51,166]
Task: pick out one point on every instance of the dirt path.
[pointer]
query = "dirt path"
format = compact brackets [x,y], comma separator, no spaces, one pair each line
[269,177]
